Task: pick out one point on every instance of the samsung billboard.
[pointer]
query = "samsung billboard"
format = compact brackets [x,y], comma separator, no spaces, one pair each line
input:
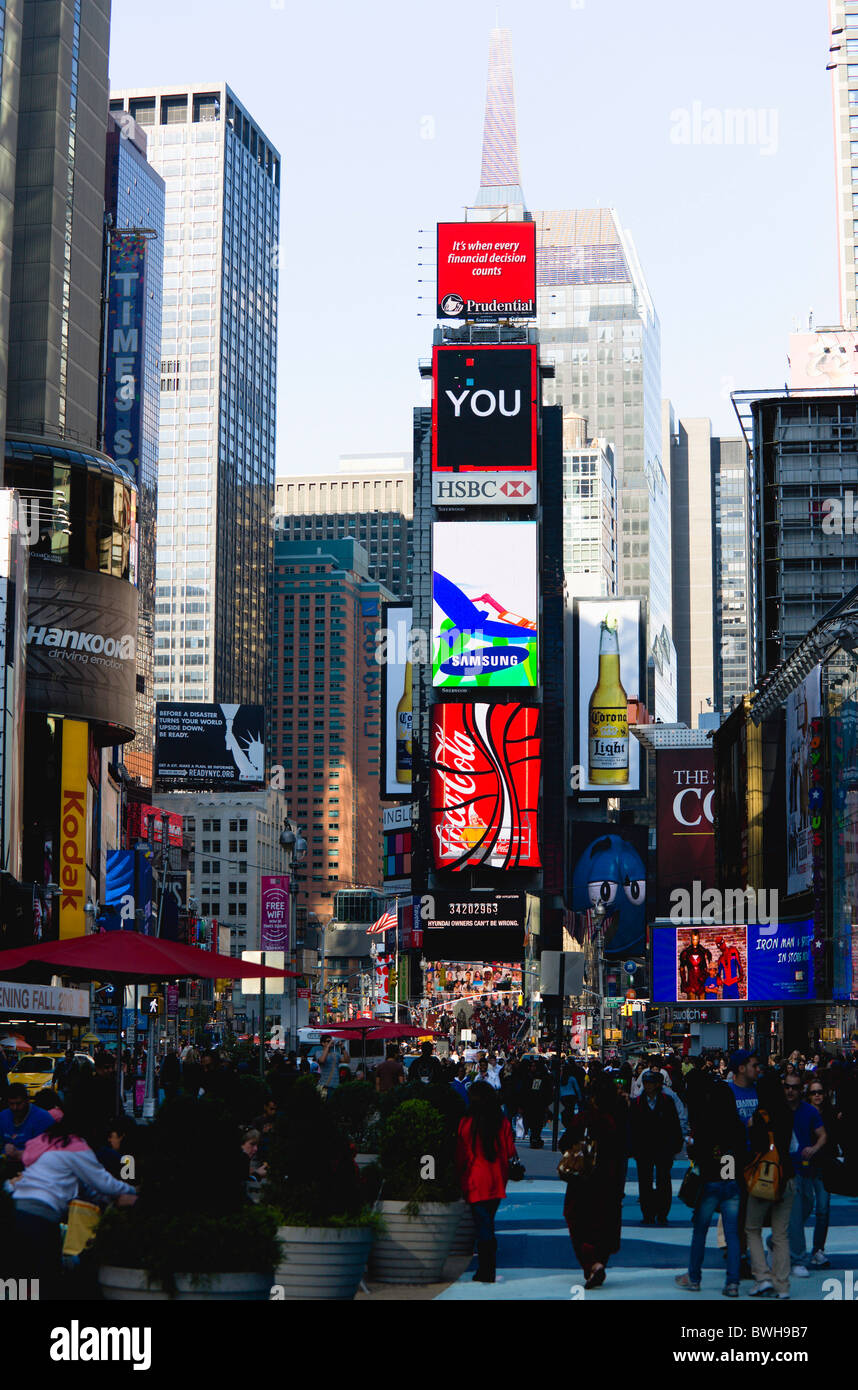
[485,604]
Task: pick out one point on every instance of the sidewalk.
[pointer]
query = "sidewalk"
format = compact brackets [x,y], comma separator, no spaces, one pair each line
[536,1259]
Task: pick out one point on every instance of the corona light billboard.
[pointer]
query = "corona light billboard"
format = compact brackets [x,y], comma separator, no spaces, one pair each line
[396,750]
[485,604]
[486,270]
[610,672]
[484,786]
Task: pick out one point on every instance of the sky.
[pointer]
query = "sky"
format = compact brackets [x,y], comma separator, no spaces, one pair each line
[377,109]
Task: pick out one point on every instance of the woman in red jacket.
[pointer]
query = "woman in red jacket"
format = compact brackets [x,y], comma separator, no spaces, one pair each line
[483,1151]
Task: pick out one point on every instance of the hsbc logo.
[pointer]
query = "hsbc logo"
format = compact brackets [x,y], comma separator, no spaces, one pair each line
[484,490]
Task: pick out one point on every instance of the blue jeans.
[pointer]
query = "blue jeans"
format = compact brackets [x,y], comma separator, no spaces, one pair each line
[809,1192]
[484,1219]
[723,1197]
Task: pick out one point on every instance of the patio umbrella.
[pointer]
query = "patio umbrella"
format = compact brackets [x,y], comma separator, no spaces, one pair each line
[14,1040]
[125,958]
[375,1028]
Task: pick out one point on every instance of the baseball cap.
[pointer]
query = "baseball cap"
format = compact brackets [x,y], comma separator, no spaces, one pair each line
[740,1059]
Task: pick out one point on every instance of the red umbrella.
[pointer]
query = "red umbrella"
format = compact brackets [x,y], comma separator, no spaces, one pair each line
[127,958]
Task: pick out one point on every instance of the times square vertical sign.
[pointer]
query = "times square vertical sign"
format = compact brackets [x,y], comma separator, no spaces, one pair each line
[126,290]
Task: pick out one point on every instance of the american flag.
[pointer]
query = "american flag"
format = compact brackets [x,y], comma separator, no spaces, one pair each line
[385,923]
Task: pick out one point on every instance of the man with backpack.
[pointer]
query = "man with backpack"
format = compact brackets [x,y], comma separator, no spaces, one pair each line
[770,1180]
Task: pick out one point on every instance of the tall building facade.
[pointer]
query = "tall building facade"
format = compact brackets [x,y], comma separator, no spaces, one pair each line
[11,15]
[134,203]
[735,586]
[843,61]
[689,448]
[370,497]
[803,455]
[597,324]
[590,507]
[56,272]
[325,711]
[218,391]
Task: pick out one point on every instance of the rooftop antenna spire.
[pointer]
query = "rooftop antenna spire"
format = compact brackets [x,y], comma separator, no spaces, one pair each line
[500,180]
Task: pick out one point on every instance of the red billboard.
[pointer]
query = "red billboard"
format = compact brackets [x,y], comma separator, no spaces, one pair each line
[486,270]
[484,786]
[139,817]
[686,831]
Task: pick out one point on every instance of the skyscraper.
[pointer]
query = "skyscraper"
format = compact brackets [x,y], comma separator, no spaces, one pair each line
[689,448]
[843,15]
[735,654]
[10,52]
[134,199]
[56,271]
[597,324]
[371,497]
[216,450]
[325,703]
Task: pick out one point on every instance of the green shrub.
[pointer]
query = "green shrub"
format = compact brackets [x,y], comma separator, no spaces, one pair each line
[354,1109]
[414,1133]
[312,1177]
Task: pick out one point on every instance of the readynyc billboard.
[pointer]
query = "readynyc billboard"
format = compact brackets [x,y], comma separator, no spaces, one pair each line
[486,270]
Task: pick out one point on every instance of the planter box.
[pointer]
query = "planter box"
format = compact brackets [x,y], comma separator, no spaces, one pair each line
[130,1285]
[413,1249]
[322,1262]
[465,1235]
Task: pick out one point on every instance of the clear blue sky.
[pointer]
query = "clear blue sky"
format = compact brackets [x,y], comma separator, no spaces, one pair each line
[735,243]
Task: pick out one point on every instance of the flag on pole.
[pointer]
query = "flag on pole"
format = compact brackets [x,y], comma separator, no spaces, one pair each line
[385,923]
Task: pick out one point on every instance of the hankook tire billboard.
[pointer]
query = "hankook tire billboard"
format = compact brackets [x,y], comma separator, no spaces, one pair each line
[81,646]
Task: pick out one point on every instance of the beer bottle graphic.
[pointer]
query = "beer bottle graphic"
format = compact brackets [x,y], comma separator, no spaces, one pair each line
[403,731]
[609,714]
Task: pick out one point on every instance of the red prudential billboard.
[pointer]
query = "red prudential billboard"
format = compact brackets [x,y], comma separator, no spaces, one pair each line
[484,786]
[486,270]
[686,830]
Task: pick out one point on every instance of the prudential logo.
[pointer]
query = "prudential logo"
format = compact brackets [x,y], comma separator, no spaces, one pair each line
[76,1343]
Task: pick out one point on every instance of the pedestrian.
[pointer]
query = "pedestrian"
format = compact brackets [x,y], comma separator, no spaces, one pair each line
[536,1100]
[42,1193]
[427,1069]
[460,1083]
[170,1074]
[390,1073]
[817,1095]
[21,1121]
[655,1136]
[744,1069]
[592,1207]
[717,1149]
[809,1143]
[484,1073]
[771,1127]
[483,1151]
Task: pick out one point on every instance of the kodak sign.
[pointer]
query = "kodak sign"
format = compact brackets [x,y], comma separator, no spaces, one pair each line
[72,875]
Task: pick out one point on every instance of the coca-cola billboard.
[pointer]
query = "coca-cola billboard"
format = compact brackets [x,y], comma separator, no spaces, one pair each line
[484,789]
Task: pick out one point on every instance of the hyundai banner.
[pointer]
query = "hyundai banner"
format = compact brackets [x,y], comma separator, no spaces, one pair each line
[485,604]
[484,786]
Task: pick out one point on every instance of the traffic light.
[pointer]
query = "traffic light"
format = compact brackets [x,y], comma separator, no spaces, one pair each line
[151,1005]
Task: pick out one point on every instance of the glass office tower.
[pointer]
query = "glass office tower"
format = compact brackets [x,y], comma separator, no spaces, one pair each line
[218,357]
[598,325]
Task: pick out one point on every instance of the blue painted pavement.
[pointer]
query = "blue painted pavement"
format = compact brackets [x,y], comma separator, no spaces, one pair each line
[536,1259]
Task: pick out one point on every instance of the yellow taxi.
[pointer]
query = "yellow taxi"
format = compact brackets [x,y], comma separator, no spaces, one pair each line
[35,1071]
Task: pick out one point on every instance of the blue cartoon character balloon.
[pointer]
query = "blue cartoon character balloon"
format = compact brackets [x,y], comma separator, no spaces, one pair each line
[612,872]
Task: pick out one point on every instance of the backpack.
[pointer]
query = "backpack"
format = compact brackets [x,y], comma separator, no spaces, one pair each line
[580,1160]
[764,1175]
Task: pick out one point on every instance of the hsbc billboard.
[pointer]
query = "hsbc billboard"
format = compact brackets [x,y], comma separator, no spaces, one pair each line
[486,270]
[484,490]
[686,830]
